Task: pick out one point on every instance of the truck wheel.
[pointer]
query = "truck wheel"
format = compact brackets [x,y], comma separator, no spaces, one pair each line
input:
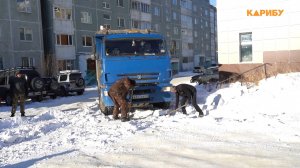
[8,100]
[37,84]
[105,109]
[162,105]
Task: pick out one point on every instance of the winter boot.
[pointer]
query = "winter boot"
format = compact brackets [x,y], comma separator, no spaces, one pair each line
[124,119]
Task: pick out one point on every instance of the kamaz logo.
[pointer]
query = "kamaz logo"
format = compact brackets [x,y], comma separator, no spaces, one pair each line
[139,76]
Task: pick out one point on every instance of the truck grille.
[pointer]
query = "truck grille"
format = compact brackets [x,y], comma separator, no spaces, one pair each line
[141,76]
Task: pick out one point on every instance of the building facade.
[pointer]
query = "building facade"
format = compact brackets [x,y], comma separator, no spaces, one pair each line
[251,33]
[69,27]
[21,39]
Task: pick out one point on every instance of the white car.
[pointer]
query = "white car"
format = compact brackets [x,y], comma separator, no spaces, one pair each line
[71,81]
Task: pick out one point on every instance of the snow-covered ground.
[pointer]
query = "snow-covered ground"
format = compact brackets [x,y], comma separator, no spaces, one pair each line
[255,127]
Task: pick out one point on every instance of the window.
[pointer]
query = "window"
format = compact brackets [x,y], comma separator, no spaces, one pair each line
[24,6]
[106,16]
[186,4]
[140,7]
[185,60]
[27,61]
[246,47]
[1,63]
[87,41]
[195,33]
[105,5]
[156,11]
[63,39]
[174,2]
[63,14]
[25,34]
[156,27]
[106,26]
[175,30]
[121,22]
[65,65]
[135,24]
[86,17]
[174,16]
[195,21]
[135,47]
[120,3]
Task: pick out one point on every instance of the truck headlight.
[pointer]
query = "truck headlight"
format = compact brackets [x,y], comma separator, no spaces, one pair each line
[166,89]
[105,93]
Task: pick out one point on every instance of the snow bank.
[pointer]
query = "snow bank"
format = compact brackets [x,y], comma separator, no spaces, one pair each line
[256,127]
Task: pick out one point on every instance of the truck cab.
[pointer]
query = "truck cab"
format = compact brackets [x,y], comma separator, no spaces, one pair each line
[139,55]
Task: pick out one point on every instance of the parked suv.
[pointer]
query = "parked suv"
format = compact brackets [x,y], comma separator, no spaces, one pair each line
[38,87]
[71,81]
[210,74]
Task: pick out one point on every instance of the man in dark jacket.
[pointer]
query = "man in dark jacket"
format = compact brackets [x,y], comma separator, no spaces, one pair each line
[118,93]
[187,92]
[18,91]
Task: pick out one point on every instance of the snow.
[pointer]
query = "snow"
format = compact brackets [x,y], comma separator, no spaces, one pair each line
[242,127]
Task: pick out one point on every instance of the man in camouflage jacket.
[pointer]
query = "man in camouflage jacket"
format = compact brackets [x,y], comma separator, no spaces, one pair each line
[118,93]
[18,91]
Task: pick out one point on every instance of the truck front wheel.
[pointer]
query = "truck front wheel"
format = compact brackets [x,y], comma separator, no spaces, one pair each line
[162,105]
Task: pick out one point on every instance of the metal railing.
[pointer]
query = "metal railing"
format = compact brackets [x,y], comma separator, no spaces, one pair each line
[239,76]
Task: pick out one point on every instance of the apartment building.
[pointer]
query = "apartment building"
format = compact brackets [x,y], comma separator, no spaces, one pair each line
[57,35]
[251,33]
[21,40]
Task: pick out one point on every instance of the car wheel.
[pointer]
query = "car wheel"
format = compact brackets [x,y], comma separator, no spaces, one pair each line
[80,92]
[37,98]
[63,92]
[37,84]
[54,85]
[8,100]
[80,82]
[53,96]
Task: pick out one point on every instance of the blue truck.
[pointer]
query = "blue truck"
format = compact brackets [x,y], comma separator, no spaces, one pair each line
[140,55]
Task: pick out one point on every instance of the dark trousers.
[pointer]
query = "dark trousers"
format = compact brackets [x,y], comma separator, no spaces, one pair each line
[194,103]
[15,100]
[119,102]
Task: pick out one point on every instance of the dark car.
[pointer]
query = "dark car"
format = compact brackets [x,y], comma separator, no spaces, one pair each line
[210,74]
[38,87]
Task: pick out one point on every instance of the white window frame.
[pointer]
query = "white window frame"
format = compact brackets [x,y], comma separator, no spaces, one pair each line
[120,4]
[119,22]
[107,26]
[84,41]
[109,17]
[86,17]
[26,32]
[24,6]
[30,61]
[105,5]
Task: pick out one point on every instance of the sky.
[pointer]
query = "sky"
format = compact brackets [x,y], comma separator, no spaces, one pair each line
[248,125]
[213,2]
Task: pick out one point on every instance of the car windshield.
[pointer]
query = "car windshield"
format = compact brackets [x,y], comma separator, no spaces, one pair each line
[135,47]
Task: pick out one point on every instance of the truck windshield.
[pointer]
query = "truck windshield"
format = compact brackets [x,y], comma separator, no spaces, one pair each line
[135,47]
